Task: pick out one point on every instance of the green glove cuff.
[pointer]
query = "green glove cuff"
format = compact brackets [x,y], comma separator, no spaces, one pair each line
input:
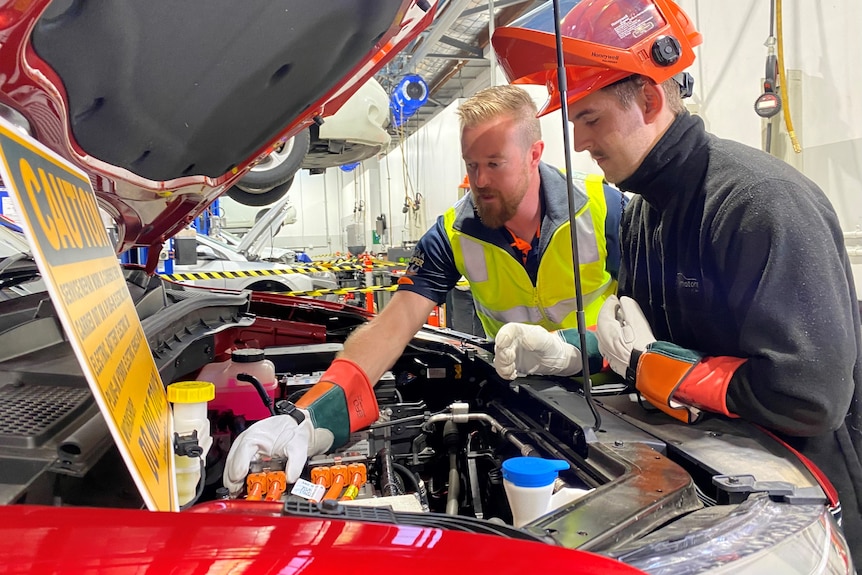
[342,401]
[594,357]
[674,351]
[328,410]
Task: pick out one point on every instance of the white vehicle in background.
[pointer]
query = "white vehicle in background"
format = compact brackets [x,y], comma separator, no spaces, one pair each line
[255,243]
[225,255]
[357,131]
[18,272]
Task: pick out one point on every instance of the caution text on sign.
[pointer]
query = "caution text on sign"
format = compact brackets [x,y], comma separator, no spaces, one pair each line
[58,211]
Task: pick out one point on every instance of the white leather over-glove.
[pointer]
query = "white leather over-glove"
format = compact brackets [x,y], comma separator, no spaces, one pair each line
[276,436]
[622,328]
[524,349]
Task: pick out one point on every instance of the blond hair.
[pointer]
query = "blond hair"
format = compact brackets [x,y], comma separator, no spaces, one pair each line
[508,100]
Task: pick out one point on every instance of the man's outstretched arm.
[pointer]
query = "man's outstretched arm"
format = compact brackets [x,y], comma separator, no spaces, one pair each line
[375,346]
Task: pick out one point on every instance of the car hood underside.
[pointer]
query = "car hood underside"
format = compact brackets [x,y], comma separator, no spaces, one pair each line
[211,82]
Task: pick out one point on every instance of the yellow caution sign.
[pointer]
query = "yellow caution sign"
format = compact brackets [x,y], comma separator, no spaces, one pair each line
[61,220]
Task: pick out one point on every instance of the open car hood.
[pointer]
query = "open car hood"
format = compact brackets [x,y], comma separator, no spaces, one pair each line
[165,105]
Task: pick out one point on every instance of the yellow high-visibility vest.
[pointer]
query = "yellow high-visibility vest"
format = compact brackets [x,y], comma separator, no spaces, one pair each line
[502,289]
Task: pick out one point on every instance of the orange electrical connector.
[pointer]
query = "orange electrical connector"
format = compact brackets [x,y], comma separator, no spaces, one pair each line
[321,476]
[339,480]
[276,484]
[256,485]
[356,472]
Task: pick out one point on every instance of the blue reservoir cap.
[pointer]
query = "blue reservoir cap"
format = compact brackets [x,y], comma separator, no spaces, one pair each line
[532,471]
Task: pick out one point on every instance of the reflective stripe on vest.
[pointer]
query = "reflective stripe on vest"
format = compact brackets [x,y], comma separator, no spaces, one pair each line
[508,295]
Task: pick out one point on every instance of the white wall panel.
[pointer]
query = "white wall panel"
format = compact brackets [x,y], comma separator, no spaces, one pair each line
[821,40]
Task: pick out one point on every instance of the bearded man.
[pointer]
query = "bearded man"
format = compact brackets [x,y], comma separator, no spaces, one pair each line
[510,238]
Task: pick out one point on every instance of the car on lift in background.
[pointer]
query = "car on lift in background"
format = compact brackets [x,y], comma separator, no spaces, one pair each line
[356,132]
[168,115]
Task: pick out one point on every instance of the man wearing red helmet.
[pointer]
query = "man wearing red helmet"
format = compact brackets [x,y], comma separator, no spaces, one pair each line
[735,291]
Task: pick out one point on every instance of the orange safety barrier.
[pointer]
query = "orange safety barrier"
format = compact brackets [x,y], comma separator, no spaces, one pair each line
[369,281]
[437,317]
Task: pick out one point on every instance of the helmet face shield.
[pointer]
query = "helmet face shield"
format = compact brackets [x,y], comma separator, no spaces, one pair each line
[604,41]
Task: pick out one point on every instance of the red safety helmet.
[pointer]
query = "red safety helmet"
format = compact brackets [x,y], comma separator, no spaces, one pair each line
[604,41]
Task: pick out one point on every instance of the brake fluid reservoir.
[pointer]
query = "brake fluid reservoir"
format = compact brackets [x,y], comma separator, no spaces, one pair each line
[239,396]
[189,399]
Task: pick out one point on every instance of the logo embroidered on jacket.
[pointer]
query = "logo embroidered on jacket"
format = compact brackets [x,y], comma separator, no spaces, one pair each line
[688,283]
[416,262]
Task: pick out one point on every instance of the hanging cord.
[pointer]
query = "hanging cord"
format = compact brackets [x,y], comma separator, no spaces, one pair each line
[417,196]
[782,80]
[410,199]
[769,81]
[359,194]
[388,212]
[405,177]
[772,19]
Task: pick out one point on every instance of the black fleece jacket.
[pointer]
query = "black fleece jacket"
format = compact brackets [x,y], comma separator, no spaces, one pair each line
[732,252]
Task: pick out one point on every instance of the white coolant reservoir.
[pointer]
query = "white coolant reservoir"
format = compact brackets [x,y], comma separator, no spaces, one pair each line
[189,399]
[564,494]
[529,485]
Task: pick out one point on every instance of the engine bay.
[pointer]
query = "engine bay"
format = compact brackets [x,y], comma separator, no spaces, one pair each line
[437,447]
[636,484]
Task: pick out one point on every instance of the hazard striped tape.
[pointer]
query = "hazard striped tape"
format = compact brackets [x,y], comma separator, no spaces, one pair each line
[359,262]
[335,255]
[262,273]
[346,291]
[340,291]
[179,277]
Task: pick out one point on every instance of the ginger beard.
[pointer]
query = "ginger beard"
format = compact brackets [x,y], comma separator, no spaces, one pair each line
[495,207]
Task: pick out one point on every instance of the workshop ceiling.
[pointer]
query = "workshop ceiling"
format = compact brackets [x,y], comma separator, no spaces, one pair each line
[451,55]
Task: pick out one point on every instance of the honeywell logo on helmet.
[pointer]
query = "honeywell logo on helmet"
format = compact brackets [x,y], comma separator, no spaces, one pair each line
[605,57]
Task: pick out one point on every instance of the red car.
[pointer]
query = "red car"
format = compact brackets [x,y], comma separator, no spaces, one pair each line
[255,538]
[166,104]
[656,495]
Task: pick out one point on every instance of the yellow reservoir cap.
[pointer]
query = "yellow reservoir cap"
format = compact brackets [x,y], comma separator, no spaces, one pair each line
[191,392]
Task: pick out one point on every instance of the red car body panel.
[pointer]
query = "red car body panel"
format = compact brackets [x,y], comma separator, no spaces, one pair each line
[249,537]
